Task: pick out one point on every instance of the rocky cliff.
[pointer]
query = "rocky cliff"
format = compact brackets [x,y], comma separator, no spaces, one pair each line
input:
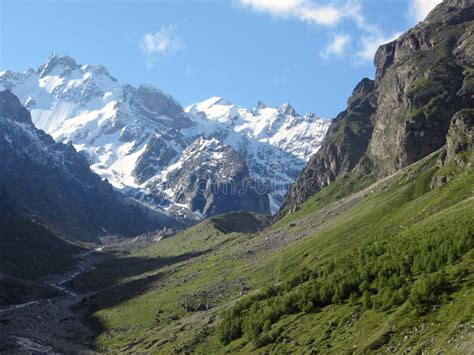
[343,147]
[208,177]
[53,183]
[424,83]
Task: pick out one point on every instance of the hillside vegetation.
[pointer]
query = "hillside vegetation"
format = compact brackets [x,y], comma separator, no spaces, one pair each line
[393,262]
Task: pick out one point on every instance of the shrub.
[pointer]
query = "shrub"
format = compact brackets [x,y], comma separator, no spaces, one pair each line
[383,275]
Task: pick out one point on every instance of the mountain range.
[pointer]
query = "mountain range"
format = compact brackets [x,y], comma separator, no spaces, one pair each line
[148,146]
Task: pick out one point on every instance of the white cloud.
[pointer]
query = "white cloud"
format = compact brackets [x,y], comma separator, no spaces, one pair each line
[420,8]
[353,10]
[331,13]
[327,15]
[337,46]
[305,10]
[370,44]
[275,7]
[163,42]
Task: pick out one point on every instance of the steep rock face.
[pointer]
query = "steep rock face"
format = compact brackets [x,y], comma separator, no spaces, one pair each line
[51,181]
[212,179]
[461,138]
[423,80]
[158,154]
[11,107]
[151,100]
[343,147]
[459,149]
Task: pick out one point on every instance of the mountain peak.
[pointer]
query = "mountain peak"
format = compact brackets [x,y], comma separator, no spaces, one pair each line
[386,127]
[287,109]
[98,70]
[210,104]
[142,131]
[55,58]
[215,100]
[55,61]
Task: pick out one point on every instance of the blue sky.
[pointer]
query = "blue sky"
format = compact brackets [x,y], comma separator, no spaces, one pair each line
[310,53]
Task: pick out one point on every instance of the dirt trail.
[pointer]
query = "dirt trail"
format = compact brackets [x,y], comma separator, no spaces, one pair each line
[48,326]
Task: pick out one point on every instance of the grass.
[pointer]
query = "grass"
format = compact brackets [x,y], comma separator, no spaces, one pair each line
[145,285]
[144,313]
[342,187]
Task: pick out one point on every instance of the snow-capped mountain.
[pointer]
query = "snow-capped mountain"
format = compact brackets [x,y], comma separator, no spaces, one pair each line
[207,177]
[149,147]
[54,184]
[280,127]
[275,142]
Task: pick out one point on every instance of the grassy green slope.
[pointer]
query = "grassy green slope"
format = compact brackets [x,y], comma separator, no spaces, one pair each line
[177,305]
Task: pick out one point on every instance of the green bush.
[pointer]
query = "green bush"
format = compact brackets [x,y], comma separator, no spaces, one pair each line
[382,275]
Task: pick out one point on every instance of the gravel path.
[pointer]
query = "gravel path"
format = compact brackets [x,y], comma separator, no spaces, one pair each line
[50,325]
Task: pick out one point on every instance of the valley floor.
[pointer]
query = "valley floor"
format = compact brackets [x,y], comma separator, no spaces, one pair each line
[170,296]
[49,325]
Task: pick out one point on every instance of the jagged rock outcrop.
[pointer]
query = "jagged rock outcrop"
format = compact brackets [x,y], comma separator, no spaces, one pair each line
[344,145]
[212,179]
[424,79]
[461,136]
[158,154]
[53,183]
[459,148]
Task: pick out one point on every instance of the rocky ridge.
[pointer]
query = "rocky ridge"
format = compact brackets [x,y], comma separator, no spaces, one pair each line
[53,183]
[424,84]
